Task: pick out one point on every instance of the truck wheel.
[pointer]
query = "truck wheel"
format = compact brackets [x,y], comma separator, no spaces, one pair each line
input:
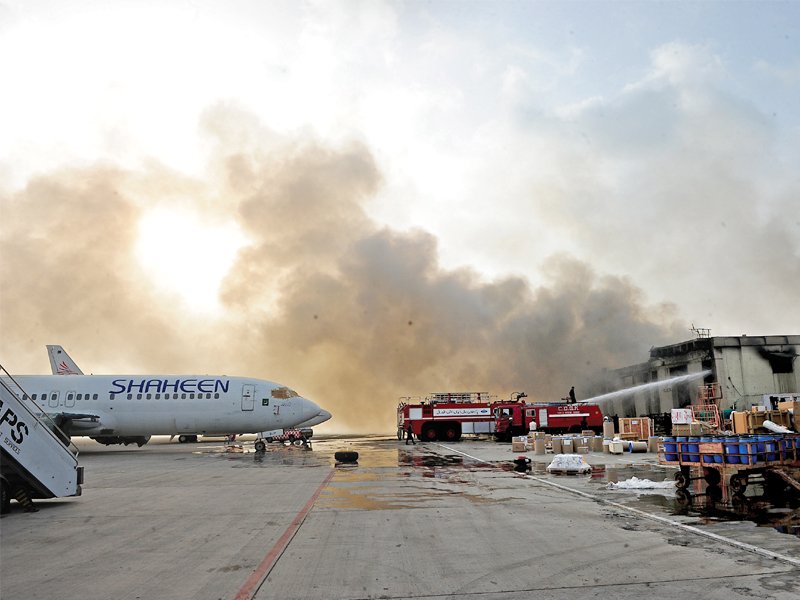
[182,439]
[260,446]
[450,433]
[681,481]
[346,456]
[429,433]
[5,497]
[269,440]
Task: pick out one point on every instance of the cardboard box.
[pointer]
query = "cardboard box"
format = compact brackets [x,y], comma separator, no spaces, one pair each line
[519,447]
[692,429]
[681,416]
[616,447]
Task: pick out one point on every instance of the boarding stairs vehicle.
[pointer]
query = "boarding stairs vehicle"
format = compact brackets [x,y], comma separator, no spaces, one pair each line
[37,459]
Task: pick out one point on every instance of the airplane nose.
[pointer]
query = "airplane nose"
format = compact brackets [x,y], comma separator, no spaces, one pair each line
[313,414]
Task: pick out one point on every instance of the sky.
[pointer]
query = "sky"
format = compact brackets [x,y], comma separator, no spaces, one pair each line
[370,200]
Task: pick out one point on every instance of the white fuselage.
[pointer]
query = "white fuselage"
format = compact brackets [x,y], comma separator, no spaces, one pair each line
[143,405]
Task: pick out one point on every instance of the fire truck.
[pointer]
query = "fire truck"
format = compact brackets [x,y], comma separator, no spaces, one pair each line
[449,415]
[553,417]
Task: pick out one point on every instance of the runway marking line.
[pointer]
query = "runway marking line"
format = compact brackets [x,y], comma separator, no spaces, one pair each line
[257,578]
[646,515]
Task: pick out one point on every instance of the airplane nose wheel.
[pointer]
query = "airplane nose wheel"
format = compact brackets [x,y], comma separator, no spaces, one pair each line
[260,446]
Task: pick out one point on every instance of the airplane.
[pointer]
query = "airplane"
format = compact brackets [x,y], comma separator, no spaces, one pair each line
[125,409]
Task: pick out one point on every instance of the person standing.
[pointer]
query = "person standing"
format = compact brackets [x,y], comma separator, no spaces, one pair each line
[572,394]
[410,434]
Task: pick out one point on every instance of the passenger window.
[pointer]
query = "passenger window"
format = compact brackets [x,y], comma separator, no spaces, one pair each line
[216,395]
[174,396]
[70,396]
[94,397]
[183,396]
[138,396]
[130,396]
[148,396]
[111,396]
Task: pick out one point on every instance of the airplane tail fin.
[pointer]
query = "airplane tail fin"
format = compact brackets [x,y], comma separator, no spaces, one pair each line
[61,363]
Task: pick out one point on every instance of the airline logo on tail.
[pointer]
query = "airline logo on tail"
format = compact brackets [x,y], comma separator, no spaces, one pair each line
[64,369]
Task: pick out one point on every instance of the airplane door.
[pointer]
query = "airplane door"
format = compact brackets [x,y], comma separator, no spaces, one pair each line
[248,396]
[52,400]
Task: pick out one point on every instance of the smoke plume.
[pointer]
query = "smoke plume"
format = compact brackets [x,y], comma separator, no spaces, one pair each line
[322,298]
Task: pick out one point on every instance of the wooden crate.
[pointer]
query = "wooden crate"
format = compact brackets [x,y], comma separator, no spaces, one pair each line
[638,428]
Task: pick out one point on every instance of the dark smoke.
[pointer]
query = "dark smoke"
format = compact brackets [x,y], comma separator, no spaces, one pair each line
[351,314]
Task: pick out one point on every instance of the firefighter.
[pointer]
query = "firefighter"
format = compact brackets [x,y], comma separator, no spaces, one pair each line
[410,434]
[572,395]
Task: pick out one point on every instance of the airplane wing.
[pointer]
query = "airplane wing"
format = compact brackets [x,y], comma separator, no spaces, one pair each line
[61,363]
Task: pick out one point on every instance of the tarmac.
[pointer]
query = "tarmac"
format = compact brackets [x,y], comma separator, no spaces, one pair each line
[424,521]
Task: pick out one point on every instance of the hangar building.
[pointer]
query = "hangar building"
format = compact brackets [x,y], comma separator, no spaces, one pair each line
[745,368]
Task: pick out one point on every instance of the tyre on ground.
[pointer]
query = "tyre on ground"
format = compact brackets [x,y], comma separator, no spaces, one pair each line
[346,456]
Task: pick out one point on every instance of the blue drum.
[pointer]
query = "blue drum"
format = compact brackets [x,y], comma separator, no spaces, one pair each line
[731,449]
[670,449]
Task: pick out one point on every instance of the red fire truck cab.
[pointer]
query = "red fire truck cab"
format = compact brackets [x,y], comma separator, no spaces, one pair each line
[553,417]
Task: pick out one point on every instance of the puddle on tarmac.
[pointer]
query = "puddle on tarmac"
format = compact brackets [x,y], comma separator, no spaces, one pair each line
[778,508]
[401,470]
[353,485]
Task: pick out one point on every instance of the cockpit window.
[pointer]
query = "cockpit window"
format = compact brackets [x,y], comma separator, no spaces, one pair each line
[284,392]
